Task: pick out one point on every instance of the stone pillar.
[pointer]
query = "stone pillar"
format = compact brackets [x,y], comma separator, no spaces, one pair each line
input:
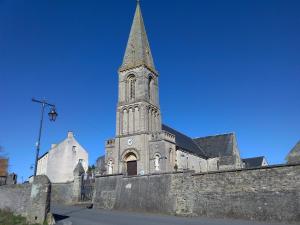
[118,130]
[78,172]
[39,200]
[137,119]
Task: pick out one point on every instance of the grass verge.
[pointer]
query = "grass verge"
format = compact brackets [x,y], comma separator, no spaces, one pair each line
[8,218]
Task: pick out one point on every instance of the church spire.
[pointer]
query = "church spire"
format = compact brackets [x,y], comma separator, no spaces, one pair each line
[138,51]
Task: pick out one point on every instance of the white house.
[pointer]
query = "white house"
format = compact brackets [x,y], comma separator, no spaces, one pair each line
[60,161]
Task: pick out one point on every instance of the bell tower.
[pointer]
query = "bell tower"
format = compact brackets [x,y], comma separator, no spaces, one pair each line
[138,104]
[138,119]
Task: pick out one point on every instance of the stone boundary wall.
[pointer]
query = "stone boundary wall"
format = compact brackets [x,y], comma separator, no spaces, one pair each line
[62,193]
[267,194]
[29,200]
[67,193]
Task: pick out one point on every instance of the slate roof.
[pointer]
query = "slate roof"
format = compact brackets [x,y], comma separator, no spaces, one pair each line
[138,49]
[184,142]
[253,162]
[216,146]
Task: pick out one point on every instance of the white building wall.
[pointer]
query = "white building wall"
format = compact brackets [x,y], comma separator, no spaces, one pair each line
[42,165]
[62,160]
[212,164]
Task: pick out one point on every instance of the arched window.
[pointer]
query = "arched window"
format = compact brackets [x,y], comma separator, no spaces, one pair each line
[156,162]
[131,87]
[150,87]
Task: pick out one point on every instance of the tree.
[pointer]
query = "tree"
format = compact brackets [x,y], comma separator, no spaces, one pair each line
[91,168]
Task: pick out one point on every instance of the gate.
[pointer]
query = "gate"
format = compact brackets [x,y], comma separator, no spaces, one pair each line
[87,188]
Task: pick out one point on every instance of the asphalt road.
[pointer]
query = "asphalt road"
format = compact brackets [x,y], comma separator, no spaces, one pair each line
[75,215]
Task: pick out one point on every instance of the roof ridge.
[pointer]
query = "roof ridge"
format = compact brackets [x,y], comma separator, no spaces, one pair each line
[224,134]
[254,157]
[199,148]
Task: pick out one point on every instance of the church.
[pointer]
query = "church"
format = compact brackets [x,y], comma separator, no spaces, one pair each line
[143,144]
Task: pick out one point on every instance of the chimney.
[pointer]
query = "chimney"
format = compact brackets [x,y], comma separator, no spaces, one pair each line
[70,134]
[53,146]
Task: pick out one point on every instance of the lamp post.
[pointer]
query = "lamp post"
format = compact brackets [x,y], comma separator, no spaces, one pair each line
[52,116]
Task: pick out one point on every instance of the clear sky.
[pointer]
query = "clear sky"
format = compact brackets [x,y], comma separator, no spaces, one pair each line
[225,66]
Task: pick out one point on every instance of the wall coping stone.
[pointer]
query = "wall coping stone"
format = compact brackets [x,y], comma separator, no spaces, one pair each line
[68,182]
[248,169]
[146,175]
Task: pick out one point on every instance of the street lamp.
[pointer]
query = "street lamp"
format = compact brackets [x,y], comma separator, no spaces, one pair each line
[52,114]
[52,117]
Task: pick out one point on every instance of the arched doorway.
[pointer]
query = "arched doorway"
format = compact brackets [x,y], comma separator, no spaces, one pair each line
[131,164]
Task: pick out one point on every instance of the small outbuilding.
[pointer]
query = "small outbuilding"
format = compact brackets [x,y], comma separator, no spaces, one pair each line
[255,162]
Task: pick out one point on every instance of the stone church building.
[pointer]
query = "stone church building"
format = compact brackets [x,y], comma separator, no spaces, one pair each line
[143,144]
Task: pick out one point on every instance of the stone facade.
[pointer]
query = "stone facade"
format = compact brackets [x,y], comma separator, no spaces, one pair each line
[143,144]
[60,161]
[267,194]
[69,192]
[29,200]
[139,138]
[62,193]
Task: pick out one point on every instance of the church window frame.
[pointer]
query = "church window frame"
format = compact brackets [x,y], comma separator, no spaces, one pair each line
[151,82]
[131,87]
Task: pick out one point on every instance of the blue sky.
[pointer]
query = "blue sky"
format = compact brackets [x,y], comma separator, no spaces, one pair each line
[225,66]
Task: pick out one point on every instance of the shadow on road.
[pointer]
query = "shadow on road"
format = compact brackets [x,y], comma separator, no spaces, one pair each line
[58,217]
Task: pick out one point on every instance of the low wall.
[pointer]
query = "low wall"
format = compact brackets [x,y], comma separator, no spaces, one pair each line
[15,198]
[145,193]
[267,194]
[29,200]
[62,193]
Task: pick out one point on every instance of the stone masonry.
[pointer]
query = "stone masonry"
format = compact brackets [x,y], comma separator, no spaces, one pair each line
[29,200]
[267,194]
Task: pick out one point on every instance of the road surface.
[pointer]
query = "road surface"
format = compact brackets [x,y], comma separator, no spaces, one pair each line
[79,215]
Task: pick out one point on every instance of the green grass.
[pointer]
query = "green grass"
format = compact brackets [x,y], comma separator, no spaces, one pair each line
[7,218]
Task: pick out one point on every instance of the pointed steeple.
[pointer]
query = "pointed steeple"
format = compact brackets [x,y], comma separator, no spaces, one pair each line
[138,51]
